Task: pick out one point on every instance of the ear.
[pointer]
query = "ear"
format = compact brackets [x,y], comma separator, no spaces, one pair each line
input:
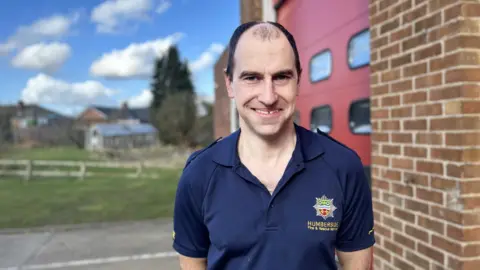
[228,84]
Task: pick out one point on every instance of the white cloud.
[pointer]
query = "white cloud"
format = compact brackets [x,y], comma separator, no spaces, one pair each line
[43,57]
[50,28]
[163,6]
[45,89]
[113,16]
[207,58]
[134,61]
[142,100]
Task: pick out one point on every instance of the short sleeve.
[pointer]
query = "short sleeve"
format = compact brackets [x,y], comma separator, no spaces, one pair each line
[356,228]
[190,235]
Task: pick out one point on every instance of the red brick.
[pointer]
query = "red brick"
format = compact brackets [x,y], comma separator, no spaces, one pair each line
[390,149]
[417,233]
[415,70]
[430,195]
[431,224]
[402,112]
[419,152]
[428,138]
[431,253]
[404,215]
[447,245]
[417,260]
[401,86]
[414,97]
[428,81]
[402,163]
[403,240]
[462,75]
[402,138]
[428,52]
[416,206]
[428,109]
[402,264]
[402,189]
[415,124]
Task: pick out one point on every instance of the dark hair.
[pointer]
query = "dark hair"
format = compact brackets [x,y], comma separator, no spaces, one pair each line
[244,27]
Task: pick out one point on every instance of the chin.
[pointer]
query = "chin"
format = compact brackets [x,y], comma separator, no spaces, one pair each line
[266,130]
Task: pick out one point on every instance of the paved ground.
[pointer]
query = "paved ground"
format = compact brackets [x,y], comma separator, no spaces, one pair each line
[142,245]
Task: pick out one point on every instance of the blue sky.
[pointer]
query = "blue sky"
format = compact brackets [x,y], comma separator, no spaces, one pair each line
[66,55]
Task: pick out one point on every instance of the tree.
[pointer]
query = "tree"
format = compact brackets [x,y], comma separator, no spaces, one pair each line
[173,106]
[176,119]
[204,126]
[170,76]
[6,134]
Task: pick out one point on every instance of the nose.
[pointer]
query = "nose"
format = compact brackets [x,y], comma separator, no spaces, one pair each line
[268,95]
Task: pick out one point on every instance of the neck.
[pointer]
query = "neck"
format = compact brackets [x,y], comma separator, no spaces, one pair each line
[267,150]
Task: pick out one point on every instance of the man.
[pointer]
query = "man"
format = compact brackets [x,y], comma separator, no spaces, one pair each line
[272,195]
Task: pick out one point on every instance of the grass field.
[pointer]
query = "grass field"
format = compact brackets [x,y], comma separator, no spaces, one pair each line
[53,153]
[57,201]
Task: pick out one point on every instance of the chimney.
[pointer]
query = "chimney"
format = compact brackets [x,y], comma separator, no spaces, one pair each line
[20,108]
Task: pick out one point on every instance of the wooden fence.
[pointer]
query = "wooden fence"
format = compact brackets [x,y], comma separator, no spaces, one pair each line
[79,169]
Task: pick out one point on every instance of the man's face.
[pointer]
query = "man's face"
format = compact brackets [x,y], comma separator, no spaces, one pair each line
[264,82]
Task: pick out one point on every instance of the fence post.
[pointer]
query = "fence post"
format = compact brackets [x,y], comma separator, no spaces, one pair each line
[139,169]
[83,170]
[28,168]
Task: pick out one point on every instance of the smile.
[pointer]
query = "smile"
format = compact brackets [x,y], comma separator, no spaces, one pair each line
[267,112]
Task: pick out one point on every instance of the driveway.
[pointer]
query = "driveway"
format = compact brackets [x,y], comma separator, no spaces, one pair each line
[137,245]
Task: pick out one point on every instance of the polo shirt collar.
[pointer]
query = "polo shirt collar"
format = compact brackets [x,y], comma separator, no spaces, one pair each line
[307,148]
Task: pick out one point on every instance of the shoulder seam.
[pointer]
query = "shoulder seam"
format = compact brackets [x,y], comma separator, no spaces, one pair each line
[199,152]
[319,132]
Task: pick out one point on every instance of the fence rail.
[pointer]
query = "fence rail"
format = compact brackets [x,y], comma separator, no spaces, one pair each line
[78,169]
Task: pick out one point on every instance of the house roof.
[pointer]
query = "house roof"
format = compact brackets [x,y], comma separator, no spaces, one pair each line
[114,129]
[30,111]
[143,114]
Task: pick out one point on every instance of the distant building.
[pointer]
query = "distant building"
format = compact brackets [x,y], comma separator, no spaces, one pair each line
[35,125]
[100,114]
[120,136]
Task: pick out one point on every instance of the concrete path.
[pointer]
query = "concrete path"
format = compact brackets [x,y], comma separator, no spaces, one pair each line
[141,245]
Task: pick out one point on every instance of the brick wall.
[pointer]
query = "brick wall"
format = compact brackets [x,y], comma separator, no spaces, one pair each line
[425,83]
[221,108]
[250,10]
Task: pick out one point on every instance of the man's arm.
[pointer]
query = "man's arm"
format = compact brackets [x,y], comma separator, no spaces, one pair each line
[356,260]
[188,263]
[355,236]
[190,234]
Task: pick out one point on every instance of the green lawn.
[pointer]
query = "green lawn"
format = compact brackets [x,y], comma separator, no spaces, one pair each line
[60,201]
[53,153]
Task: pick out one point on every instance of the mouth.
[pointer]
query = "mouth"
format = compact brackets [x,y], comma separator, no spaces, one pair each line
[267,112]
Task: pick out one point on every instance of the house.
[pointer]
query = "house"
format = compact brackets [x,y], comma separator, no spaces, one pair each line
[100,114]
[120,136]
[33,124]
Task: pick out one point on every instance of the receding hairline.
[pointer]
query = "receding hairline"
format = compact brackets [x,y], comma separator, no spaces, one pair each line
[265,31]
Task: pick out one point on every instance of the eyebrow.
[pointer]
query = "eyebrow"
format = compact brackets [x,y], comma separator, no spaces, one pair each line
[288,72]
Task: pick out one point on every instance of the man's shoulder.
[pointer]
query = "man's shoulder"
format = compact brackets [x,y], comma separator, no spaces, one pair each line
[337,152]
[201,158]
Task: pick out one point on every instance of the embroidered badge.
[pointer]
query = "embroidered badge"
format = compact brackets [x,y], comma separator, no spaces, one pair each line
[324,207]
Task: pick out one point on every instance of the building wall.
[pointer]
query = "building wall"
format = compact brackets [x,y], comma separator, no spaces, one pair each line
[225,121]
[221,109]
[425,91]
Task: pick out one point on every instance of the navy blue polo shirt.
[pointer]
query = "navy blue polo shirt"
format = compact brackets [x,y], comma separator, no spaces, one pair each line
[322,203]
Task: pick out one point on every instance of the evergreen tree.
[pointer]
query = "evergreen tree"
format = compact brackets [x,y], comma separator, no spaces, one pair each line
[173,106]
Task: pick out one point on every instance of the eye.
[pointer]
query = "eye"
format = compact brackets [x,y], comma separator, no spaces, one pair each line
[251,78]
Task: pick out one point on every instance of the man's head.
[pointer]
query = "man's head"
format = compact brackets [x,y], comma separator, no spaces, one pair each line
[262,75]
